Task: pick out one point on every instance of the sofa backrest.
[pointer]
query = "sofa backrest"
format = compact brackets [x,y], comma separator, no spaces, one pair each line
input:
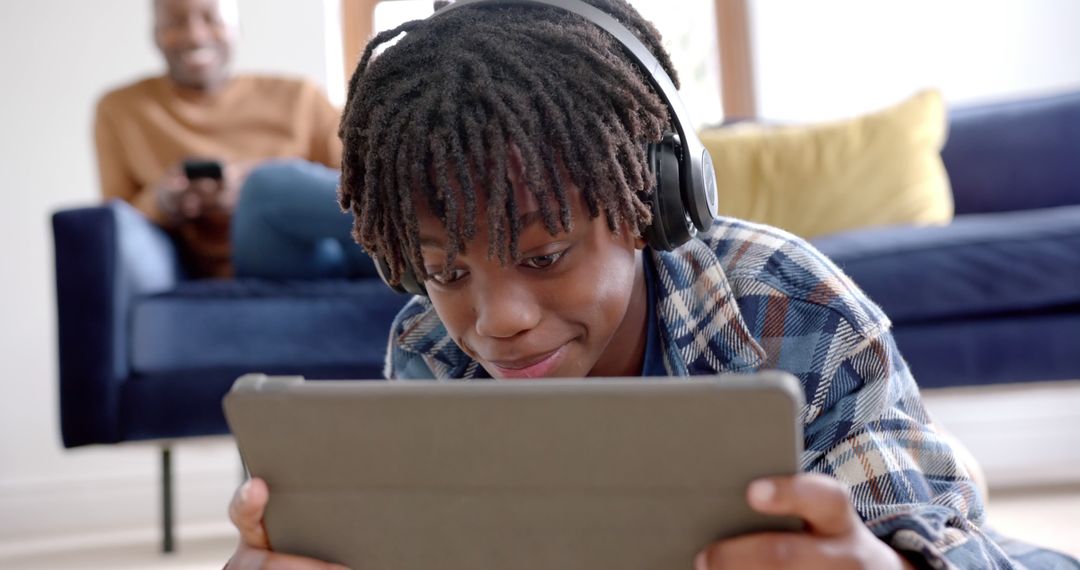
[1017,155]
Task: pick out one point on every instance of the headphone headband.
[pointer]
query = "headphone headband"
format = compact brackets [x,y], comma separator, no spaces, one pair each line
[697,168]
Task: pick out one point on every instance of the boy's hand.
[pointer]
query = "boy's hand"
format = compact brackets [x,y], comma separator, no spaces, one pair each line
[246,511]
[835,537]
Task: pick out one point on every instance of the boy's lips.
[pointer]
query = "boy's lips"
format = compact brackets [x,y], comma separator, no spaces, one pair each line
[531,367]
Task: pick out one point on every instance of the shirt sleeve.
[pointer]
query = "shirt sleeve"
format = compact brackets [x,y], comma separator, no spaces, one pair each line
[867,427]
[114,174]
[325,144]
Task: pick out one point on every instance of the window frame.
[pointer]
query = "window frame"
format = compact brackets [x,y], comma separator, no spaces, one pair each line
[732,31]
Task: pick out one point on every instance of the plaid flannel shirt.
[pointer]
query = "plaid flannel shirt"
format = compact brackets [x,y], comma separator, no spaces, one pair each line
[744,297]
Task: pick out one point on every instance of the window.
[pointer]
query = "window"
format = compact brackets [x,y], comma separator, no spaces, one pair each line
[689,34]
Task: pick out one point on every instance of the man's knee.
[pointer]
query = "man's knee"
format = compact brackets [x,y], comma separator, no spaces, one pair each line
[269,180]
[276,183]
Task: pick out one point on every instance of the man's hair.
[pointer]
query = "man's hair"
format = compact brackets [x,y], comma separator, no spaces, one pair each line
[461,90]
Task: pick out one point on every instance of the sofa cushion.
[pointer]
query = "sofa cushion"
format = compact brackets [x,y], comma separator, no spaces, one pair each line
[980,265]
[880,169]
[262,325]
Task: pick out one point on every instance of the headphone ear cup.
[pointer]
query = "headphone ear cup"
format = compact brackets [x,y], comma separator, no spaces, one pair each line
[409,284]
[670,226]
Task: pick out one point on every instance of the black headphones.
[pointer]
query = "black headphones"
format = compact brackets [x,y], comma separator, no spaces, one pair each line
[684,199]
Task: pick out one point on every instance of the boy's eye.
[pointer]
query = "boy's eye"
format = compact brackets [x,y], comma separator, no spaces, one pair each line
[542,261]
[447,278]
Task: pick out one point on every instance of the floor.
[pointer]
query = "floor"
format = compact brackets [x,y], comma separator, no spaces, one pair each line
[1050,517]
[1047,517]
[204,549]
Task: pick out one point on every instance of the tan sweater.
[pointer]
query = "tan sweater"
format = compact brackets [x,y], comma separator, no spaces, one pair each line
[144,129]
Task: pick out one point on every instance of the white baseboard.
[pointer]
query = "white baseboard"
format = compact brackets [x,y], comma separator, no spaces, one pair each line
[1023,435]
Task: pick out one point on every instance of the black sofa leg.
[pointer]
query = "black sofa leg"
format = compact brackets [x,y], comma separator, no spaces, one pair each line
[166,500]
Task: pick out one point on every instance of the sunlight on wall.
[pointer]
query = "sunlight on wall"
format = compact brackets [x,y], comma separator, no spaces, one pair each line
[335,55]
[689,31]
[833,58]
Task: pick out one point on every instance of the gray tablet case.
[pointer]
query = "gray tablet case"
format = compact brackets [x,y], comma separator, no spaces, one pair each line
[524,475]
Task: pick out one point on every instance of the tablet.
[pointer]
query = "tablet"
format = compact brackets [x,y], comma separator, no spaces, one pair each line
[530,475]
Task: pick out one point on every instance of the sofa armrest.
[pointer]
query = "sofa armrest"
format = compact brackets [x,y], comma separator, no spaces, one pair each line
[106,256]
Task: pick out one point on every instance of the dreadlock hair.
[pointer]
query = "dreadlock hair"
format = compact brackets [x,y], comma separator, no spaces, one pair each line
[459,91]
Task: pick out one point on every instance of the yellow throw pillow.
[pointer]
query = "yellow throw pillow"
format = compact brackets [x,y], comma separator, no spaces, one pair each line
[879,169]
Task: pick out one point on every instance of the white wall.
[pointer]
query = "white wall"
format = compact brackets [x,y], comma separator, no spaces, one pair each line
[57,57]
[833,58]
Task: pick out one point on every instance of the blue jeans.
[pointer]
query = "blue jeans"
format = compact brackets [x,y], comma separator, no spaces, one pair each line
[288,225]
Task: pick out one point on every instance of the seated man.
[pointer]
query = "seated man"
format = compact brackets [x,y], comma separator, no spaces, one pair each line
[199,110]
[510,180]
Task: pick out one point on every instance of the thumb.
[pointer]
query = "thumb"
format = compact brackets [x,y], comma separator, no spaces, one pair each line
[246,512]
[819,500]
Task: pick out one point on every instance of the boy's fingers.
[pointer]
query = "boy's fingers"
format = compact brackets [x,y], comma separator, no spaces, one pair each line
[275,561]
[819,500]
[246,513]
[765,550]
[701,561]
[247,558]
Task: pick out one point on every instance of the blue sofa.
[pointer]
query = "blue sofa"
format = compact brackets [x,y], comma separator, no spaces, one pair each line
[147,354]
[993,297]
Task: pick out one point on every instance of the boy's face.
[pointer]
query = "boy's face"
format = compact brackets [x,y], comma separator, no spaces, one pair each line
[571,305]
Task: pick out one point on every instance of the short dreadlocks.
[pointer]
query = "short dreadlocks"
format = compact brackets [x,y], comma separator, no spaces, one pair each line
[454,95]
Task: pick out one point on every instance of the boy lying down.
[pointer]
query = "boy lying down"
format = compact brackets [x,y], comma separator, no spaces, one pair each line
[507,162]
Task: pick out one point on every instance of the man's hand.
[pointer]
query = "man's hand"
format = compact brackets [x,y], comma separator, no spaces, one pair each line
[174,198]
[246,511]
[236,174]
[835,537]
[186,200]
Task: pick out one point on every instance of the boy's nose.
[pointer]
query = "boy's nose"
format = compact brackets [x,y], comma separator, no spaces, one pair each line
[505,309]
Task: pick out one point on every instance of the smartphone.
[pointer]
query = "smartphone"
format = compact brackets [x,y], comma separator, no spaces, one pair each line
[201,168]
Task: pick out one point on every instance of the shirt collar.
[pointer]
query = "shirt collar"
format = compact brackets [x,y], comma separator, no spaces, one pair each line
[702,328]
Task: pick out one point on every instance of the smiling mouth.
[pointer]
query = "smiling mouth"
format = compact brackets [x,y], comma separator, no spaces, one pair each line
[198,56]
[534,367]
